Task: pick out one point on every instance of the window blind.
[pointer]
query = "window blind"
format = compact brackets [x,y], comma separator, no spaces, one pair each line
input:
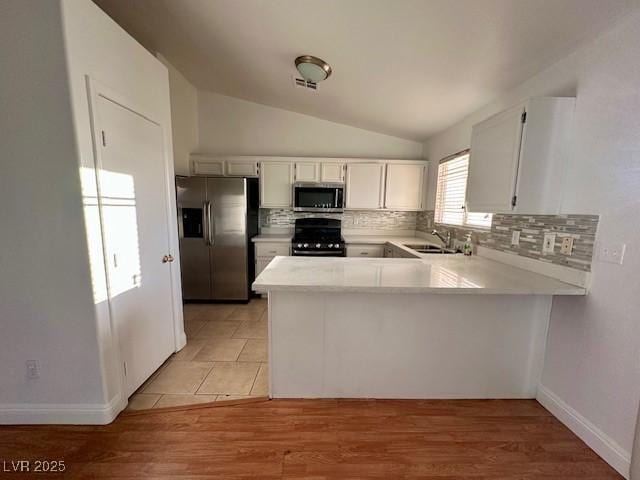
[451,194]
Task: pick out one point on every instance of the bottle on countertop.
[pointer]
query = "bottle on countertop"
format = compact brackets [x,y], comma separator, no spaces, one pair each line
[467,248]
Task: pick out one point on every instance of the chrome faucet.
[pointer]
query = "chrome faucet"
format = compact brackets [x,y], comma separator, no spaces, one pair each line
[446,240]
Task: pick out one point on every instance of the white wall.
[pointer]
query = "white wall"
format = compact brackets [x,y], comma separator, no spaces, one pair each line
[97,47]
[46,302]
[592,370]
[53,306]
[230,126]
[184,117]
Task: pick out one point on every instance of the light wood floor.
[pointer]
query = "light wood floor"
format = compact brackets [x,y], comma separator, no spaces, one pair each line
[319,439]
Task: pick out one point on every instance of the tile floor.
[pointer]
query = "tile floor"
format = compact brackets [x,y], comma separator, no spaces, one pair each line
[225,358]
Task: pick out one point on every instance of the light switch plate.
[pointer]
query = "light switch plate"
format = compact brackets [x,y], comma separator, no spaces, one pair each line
[515,238]
[611,252]
[549,243]
[566,247]
[33,369]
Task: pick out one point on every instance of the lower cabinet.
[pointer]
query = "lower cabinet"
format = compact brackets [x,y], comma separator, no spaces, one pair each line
[267,251]
[261,264]
[365,250]
[392,251]
[389,251]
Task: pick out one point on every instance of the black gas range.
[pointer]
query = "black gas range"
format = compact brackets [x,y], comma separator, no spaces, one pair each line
[318,237]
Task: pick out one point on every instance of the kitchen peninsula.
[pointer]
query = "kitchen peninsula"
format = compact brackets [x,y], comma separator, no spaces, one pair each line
[437,326]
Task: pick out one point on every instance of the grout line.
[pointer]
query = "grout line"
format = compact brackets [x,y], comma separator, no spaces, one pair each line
[254,380]
[159,398]
[235,330]
[205,377]
[241,350]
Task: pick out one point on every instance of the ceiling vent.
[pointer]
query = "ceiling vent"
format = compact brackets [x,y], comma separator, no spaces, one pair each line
[306,84]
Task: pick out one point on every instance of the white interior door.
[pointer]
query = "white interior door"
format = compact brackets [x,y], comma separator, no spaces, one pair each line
[133,194]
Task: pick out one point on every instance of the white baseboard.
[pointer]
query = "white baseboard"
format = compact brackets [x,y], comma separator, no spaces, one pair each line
[70,414]
[601,443]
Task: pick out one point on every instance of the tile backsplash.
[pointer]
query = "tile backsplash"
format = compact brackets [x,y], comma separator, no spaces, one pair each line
[353,219]
[532,229]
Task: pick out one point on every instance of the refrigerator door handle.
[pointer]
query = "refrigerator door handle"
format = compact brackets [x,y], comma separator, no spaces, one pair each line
[211,225]
[205,222]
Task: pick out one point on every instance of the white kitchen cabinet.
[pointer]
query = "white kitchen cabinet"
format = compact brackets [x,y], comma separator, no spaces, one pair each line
[261,264]
[202,165]
[365,186]
[272,249]
[241,168]
[405,186]
[393,251]
[307,172]
[276,183]
[220,167]
[331,172]
[518,158]
[267,251]
[365,250]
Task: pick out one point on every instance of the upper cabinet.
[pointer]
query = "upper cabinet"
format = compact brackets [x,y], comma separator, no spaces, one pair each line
[324,172]
[518,158]
[405,186]
[276,184]
[369,184]
[241,168]
[202,164]
[332,172]
[365,186]
[307,172]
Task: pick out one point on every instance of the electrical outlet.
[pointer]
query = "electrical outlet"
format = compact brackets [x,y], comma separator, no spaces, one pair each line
[549,243]
[611,252]
[33,369]
[515,238]
[566,247]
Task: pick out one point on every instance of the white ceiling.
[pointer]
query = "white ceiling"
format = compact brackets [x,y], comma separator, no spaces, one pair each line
[408,68]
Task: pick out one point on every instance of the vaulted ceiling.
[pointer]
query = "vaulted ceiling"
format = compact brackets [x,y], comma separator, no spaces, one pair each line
[408,68]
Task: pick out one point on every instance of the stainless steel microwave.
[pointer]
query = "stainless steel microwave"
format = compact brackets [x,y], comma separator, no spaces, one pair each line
[318,197]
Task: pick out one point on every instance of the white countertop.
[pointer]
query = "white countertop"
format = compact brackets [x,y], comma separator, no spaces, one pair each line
[380,239]
[448,274]
[348,238]
[273,237]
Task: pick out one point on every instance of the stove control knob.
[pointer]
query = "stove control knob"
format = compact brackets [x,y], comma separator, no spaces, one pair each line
[299,245]
[331,245]
[337,245]
[305,245]
[318,245]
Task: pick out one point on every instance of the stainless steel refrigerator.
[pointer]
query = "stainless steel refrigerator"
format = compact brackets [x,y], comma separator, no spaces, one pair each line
[217,216]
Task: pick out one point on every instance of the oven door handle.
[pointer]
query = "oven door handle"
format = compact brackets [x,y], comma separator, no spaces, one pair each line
[335,253]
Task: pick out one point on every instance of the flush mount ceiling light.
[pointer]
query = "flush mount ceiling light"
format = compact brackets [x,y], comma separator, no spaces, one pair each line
[313,69]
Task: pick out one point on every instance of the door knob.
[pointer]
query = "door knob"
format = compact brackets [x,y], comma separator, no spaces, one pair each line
[170,258]
[166,258]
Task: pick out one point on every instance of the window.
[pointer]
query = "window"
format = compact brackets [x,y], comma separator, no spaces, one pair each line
[451,191]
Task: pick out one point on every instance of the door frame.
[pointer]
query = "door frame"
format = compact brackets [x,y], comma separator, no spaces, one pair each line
[96,89]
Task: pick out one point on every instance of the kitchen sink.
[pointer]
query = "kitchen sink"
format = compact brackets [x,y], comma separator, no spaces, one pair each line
[429,248]
[436,250]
